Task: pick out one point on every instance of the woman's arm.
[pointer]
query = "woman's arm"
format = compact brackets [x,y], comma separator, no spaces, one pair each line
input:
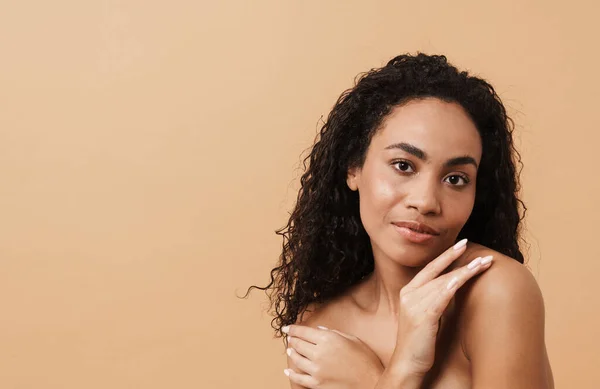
[423,300]
[395,378]
[503,330]
[392,378]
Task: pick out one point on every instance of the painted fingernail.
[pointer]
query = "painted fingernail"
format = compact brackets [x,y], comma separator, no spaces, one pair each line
[452,282]
[460,244]
[285,329]
[474,263]
[486,260]
[289,352]
[323,328]
[286,372]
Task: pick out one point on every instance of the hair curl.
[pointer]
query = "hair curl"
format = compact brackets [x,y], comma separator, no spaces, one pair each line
[325,246]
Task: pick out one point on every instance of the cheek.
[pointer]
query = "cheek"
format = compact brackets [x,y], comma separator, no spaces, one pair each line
[458,210]
[376,200]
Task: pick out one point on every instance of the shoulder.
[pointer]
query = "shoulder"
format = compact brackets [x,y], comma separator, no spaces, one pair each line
[503,282]
[501,324]
[325,314]
[503,300]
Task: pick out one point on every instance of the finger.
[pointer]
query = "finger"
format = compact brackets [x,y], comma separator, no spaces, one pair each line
[441,293]
[309,334]
[305,380]
[437,266]
[301,362]
[303,347]
[457,278]
[349,337]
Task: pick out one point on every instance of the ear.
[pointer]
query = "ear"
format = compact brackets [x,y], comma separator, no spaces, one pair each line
[352,178]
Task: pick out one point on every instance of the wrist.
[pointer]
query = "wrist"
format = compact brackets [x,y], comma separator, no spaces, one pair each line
[399,378]
[407,375]
[407,367]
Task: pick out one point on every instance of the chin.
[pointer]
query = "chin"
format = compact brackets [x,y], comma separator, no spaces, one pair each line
[416,255]
[414,261]
[411,256]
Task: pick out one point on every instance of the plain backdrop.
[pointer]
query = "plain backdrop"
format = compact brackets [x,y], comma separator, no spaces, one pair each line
[149,150]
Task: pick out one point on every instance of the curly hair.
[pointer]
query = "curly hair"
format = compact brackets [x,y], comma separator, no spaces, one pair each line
[325,246]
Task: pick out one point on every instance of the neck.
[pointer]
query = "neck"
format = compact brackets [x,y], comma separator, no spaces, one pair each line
[382,287]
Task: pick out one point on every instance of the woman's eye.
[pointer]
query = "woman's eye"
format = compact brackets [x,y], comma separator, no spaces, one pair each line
[457,180]
[403,166]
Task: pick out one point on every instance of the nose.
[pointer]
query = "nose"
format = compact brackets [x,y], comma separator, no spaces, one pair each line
[422,195]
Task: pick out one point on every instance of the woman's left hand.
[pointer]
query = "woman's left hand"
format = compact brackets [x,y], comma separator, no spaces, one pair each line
[330,359]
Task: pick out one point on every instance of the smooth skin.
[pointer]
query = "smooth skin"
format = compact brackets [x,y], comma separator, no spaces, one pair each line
[430,315]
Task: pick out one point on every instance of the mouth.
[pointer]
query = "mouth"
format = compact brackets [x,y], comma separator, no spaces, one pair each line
[417,227]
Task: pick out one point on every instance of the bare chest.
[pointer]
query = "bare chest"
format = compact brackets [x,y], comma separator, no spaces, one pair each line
[451,368]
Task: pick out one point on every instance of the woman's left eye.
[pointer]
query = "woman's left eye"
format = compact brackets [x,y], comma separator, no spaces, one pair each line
[457,180]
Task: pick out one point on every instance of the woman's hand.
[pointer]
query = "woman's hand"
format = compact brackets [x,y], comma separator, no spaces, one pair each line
[422,302]
[330,359]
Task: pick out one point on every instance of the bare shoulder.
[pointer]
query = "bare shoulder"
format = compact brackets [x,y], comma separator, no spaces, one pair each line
[503,301]
[501,324]
[505,280]
[327,314]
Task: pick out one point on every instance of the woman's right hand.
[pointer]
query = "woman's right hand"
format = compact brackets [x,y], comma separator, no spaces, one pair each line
[422,302]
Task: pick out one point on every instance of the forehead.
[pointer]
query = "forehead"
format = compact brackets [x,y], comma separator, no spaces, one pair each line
[441,129]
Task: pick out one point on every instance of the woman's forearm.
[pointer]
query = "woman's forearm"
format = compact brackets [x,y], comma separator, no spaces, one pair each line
[396,379]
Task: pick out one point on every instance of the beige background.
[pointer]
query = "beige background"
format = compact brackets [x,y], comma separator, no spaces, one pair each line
[148,150]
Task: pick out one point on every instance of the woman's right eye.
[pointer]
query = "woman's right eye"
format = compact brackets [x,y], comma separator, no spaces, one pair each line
[403,166]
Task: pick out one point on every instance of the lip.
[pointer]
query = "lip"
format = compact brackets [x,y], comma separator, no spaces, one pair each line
[417,227]
[415,232]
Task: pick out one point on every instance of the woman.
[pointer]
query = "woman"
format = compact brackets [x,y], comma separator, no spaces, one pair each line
[401,265]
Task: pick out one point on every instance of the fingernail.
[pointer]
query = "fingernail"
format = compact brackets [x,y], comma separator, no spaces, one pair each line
[452,282]
[474,263]
[460,244]
[323,328]
[289,352]
[286,372]
[285,329]
[486,260]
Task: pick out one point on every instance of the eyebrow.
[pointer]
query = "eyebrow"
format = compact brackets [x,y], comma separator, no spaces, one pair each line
[422,155]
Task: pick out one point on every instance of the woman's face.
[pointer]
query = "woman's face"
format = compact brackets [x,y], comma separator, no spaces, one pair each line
[417,184]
